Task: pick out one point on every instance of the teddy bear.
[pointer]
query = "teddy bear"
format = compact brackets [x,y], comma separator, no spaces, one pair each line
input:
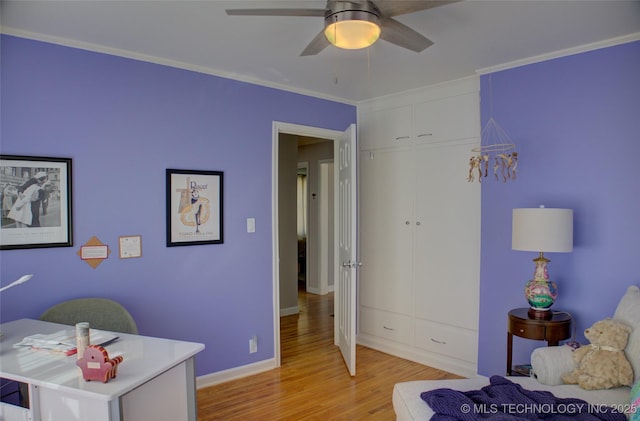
[602,364]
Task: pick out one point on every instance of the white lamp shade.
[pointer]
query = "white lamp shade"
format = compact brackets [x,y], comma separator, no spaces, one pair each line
[542,230]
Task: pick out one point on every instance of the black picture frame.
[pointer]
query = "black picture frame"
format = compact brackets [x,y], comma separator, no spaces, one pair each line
[194,207]
[37,212]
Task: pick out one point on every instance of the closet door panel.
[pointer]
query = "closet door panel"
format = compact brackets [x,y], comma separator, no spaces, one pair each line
[447,239]
[445,119]
[391,127]
[386,224]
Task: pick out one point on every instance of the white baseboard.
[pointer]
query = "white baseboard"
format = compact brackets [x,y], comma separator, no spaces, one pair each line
[316,291]
[234,373]
[289,311]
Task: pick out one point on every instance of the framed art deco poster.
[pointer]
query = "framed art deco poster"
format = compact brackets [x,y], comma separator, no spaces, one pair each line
[36,202]
[194,207]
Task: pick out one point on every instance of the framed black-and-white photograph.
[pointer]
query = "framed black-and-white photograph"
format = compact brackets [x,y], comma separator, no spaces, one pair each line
[194,207]
[36,202]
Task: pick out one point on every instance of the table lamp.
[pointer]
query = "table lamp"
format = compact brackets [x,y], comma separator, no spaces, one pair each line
[22,280]
[541,230]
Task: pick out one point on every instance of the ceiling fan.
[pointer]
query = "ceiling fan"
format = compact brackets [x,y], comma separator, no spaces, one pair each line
[358,24]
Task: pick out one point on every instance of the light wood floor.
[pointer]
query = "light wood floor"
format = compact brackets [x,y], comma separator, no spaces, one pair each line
[312,382]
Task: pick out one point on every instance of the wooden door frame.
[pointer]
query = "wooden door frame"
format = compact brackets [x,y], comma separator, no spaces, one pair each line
[305,165]
[323,284]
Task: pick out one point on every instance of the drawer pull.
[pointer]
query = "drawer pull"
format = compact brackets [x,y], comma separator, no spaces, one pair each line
[402,137]
[388,328]
[438,342]
[425,134]
[521,330]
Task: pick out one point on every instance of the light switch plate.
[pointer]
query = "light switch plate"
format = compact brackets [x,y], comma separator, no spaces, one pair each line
[251,224]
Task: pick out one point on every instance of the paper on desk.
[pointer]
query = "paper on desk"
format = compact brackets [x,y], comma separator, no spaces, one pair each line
[64,341]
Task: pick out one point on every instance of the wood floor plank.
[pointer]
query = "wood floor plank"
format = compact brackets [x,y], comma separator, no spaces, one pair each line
[313,382]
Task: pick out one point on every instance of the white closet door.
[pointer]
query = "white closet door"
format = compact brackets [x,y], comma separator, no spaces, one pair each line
[386,226]
[446,119]
[447,239]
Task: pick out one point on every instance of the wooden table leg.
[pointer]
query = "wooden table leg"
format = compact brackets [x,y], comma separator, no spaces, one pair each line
[509,351]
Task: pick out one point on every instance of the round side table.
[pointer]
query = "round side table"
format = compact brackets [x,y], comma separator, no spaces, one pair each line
[552,330]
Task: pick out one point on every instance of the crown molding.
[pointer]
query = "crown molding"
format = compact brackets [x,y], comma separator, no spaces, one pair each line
[66,42]
[561,53]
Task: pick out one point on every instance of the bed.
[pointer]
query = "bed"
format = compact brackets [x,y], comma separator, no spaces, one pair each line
[548,365]
[409,406]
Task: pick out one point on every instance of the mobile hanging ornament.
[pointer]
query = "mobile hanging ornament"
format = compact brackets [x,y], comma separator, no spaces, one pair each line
[495,147]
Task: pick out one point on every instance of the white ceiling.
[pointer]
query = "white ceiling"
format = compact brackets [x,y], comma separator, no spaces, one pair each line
[468,36]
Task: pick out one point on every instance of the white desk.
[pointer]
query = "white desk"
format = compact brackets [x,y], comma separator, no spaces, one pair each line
[155,381]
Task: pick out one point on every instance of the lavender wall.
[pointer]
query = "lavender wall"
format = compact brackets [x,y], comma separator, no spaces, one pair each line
[123,122]
[576,124]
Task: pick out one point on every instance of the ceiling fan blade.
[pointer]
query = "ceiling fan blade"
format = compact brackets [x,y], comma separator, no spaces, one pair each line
[276,12]
[390,8]
[400,34]
[316,45]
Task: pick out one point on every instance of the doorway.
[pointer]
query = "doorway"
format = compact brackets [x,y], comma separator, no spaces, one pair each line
[315,217]
[305,216]
[286,139]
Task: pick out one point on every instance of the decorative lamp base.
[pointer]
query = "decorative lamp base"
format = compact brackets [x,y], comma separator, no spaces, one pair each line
[539,314]
[540,292]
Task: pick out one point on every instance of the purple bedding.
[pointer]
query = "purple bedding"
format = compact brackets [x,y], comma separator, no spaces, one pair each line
[504,400]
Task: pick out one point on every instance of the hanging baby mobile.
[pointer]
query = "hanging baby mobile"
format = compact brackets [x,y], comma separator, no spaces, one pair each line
[496,150]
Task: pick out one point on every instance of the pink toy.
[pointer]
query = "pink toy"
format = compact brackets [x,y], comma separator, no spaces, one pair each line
[96,365]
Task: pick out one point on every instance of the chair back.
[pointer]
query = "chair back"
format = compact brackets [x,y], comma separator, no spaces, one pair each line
[101,313]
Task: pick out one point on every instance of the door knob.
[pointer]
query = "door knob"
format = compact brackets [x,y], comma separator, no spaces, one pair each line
[351,264]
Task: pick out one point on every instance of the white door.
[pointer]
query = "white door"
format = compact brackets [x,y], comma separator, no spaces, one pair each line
[345,290]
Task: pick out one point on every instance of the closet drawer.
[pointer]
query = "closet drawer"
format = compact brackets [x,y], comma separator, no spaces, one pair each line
[394,327]
[447,340]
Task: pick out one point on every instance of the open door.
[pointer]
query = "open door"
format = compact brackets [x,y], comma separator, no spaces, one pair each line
[345,290]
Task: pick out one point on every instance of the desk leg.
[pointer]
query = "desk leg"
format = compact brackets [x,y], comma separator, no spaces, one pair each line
[509,352]
[34,401]
[192,406]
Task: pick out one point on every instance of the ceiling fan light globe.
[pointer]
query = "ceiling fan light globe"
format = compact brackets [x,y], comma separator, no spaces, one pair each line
[352,34]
